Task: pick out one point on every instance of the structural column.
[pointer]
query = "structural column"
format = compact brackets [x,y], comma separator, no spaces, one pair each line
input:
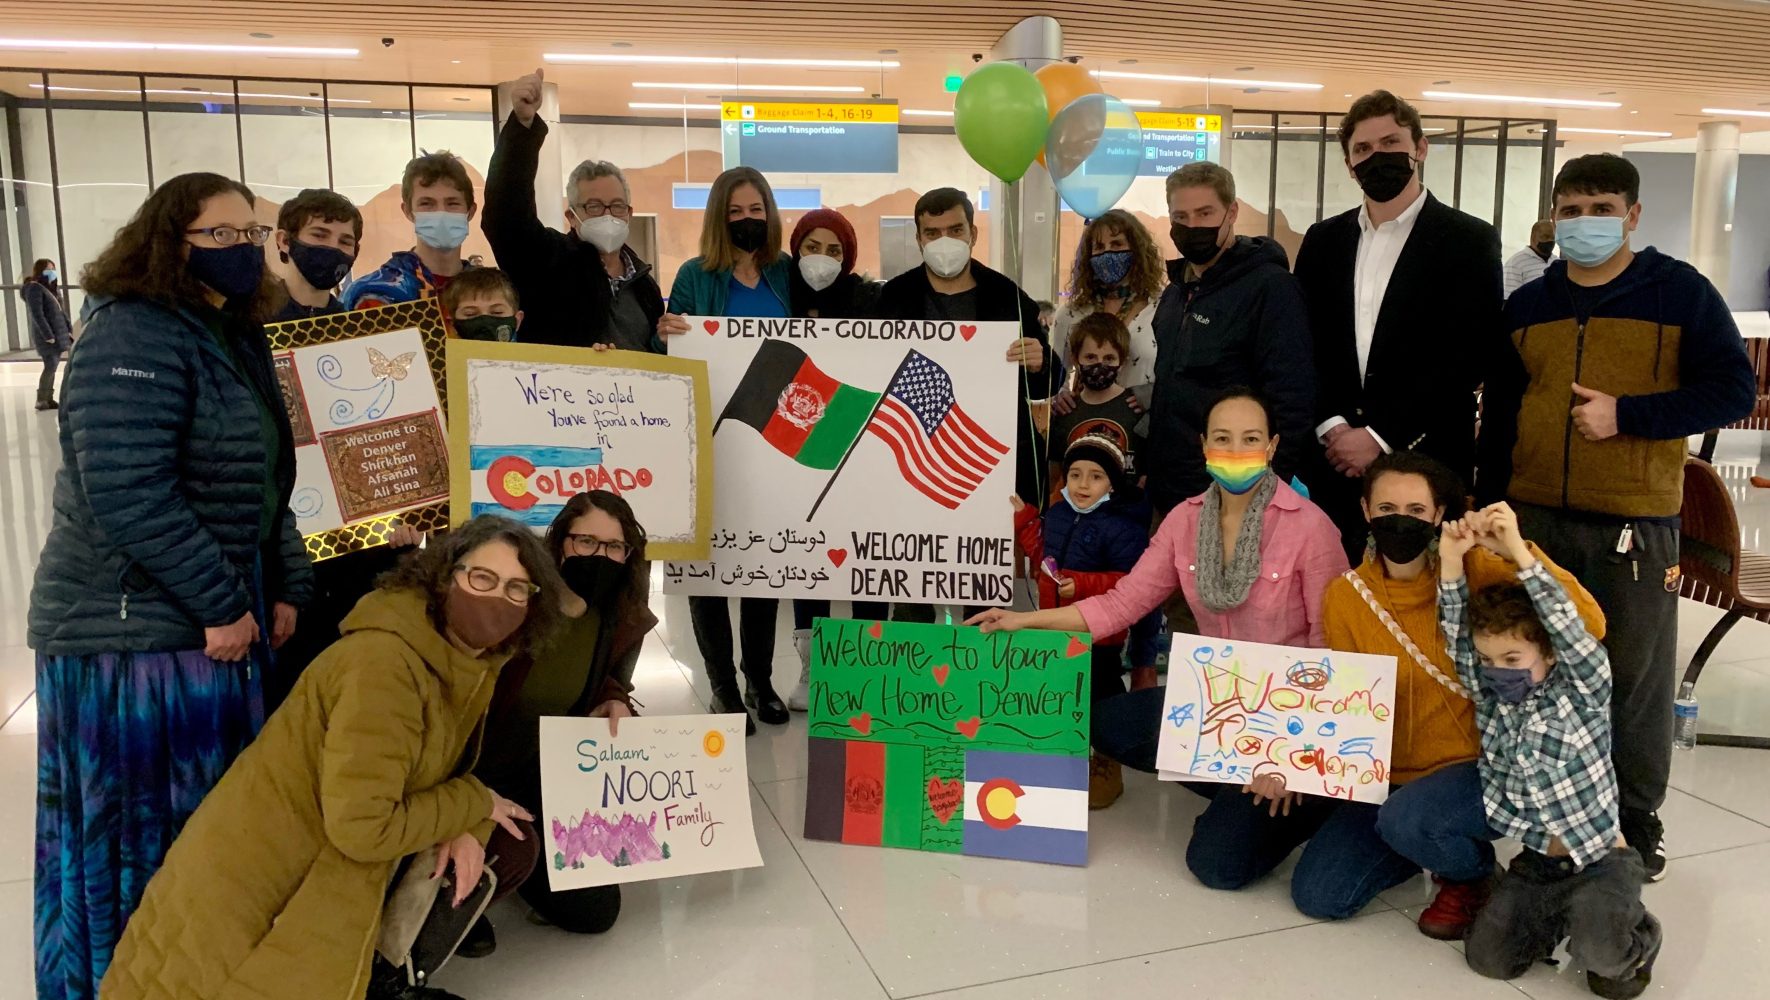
[1024,221]
[1711,206]
[550,174]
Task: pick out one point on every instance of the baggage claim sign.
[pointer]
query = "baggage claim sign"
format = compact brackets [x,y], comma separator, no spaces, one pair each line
[810,137]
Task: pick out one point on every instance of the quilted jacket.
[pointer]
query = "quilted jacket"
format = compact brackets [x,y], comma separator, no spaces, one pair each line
[274,889]
[160,499]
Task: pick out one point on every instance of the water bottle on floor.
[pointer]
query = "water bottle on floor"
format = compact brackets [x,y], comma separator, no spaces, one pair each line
[1684,730]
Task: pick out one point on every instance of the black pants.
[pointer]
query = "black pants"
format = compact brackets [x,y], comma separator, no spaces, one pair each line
[1541,900]
[1106,676]
[579,911]
[46,381]
[712,632]
[806,610]
[1642,635]
[338,583]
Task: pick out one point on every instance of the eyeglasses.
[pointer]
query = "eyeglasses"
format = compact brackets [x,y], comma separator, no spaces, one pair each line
[590,545]
[484,581]
[596,209]
[227,236]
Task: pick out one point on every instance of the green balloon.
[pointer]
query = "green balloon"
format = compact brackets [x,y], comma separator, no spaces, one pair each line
[1001,118]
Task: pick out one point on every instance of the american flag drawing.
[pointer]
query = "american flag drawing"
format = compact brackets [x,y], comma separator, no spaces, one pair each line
[940,450]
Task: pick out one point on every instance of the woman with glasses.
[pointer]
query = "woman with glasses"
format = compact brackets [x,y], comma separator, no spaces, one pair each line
[599,547]
[172,566]
[583,286]
[275,887]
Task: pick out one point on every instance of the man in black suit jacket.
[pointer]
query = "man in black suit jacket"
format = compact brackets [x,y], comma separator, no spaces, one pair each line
[1404,302]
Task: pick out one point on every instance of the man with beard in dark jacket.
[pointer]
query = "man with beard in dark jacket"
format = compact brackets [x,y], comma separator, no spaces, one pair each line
[1232,315]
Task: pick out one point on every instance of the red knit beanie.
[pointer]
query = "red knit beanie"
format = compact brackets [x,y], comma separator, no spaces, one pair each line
[828,218]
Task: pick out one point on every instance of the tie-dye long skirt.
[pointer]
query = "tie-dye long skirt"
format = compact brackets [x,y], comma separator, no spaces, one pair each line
[127,746]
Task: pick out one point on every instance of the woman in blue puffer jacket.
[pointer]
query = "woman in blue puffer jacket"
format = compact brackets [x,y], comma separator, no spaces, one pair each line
[172,566]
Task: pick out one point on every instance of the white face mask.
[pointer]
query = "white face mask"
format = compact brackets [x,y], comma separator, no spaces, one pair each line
[947,256]
[605,233]
[819,270]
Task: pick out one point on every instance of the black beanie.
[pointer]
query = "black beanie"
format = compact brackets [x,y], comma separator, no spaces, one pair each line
[1101,451]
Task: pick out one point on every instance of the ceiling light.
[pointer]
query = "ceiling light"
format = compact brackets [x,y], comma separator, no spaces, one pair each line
[52,44]
[56,88]
[1141,102]
[663,106]
[1732,111]
[1612,131]
[1111,74]
[734,87]
[1304,128]
[638,60]
[926,113]
[1553,102]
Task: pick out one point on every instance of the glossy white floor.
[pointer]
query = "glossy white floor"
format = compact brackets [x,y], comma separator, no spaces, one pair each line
[826,922]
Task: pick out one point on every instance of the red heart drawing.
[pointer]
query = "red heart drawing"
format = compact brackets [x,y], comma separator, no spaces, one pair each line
[944,797]
[940,673]
[862,723]
[969,727]
[877,630]
[1076,647]
[967,331]
[838,556]
[711,326]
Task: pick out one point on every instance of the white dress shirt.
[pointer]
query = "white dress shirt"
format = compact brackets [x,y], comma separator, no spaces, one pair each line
[1524,267]
[1379,248]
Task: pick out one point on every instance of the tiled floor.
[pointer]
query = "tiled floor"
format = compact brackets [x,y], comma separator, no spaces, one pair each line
[825,922]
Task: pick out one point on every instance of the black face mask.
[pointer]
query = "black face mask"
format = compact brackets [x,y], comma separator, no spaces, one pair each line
[1198,244]
[594,578]
[1401,538]
[498,329]
[1544,249]
[1383,175]
[748,235]
[321,267]
[1097,377]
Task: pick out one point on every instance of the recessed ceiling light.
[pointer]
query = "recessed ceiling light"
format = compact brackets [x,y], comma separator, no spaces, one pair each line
[1141,102]
[261,34]
[1612,131]
[1440,83]
[56,88]
[1108,74]
[927,113]
[1736,111]
[638,60]
[1634,112]
[620,45]
[888,52]
[1244,69]
[733,87]
[1606,93]
[663,106]
[1127,62]
[454,62]
[463,100]
[1553,102]
[86,44]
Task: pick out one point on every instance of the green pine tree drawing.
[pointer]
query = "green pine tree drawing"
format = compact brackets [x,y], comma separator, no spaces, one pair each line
[558,861]
[666,852]
[621,860]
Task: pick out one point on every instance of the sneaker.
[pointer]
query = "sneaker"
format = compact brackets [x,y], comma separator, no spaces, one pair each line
[1453,910]
[1106,781]
[727,701]
[768,705]
[1621,989]
[47,404]
[479,942]
[1647,835]
[800,699]
[389,983]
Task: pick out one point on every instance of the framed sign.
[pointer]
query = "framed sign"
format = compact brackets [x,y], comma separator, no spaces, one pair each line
[365,397]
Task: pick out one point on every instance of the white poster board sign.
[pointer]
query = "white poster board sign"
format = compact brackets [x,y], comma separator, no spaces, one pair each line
[1320,718]
[670,796]
[858,459]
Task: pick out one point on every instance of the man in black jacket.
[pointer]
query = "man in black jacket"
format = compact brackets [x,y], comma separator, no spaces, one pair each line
[577,289]
[1232,315]
[1404,302]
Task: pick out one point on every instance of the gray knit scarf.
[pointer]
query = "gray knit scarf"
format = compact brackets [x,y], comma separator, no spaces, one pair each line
[1221,587]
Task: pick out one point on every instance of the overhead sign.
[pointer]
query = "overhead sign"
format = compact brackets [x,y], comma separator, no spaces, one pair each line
[810,137]
[1171,140]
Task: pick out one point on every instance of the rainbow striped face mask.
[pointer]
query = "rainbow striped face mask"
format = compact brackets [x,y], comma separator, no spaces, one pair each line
[1236,471]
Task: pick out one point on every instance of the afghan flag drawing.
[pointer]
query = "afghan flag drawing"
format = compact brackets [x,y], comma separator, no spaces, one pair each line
[808,416]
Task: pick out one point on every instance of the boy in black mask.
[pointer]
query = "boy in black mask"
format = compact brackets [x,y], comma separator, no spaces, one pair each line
[481,304]
[1097,349]
[318,235]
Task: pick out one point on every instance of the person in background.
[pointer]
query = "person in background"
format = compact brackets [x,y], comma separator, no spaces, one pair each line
[825,284]
[171,566]
[1118,271]
[1543,684]
[1047,315]
[1232,315]
[276,886]
[1528,264]
[1372,276]
[1093,539]
[1614,357]
[1103,406]
[553,270]
[318,233]
[437,195]
[50,333]
[741,271]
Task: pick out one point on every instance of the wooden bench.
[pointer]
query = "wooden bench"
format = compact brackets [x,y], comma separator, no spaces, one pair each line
[1758,350]
[1716,570]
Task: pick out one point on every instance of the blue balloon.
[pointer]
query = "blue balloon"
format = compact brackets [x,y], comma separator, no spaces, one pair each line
[1094,151]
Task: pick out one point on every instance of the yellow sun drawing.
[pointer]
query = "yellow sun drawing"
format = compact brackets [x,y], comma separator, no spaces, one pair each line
[713,743]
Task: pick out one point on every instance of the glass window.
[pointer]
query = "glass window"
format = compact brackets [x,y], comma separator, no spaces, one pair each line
[460,121]
[1481,159]
[1524,184]
[1299,168]
[283,126]
[191,127]
[1340,191]
[102,162]
[372,142]
[1439,174]
[1250,159]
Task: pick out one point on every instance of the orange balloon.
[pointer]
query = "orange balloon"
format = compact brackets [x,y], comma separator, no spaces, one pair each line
[1063,83]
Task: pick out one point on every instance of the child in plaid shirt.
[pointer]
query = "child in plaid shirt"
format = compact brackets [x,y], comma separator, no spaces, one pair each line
[1544,711]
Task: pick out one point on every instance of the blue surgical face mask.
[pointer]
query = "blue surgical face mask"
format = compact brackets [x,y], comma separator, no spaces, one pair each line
[49,275]
[1590,240]
[1083,510]
[1508,684]
[440,230]
[1111,266]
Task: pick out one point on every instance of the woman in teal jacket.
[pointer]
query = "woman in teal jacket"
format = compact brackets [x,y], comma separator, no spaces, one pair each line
[741,272]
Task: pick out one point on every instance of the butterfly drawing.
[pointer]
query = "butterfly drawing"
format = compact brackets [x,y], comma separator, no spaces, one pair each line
[397,368]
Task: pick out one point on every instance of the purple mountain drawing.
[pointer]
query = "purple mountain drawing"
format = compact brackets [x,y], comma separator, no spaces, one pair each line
[627,841]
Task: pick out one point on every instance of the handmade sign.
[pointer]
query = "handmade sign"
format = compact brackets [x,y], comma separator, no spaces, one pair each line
[942,738]
[363,394]
[863,459]
[1321,719]
[670,796]
[537,425]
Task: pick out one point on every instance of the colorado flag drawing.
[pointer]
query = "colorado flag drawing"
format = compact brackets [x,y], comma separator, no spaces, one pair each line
[1027,807]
